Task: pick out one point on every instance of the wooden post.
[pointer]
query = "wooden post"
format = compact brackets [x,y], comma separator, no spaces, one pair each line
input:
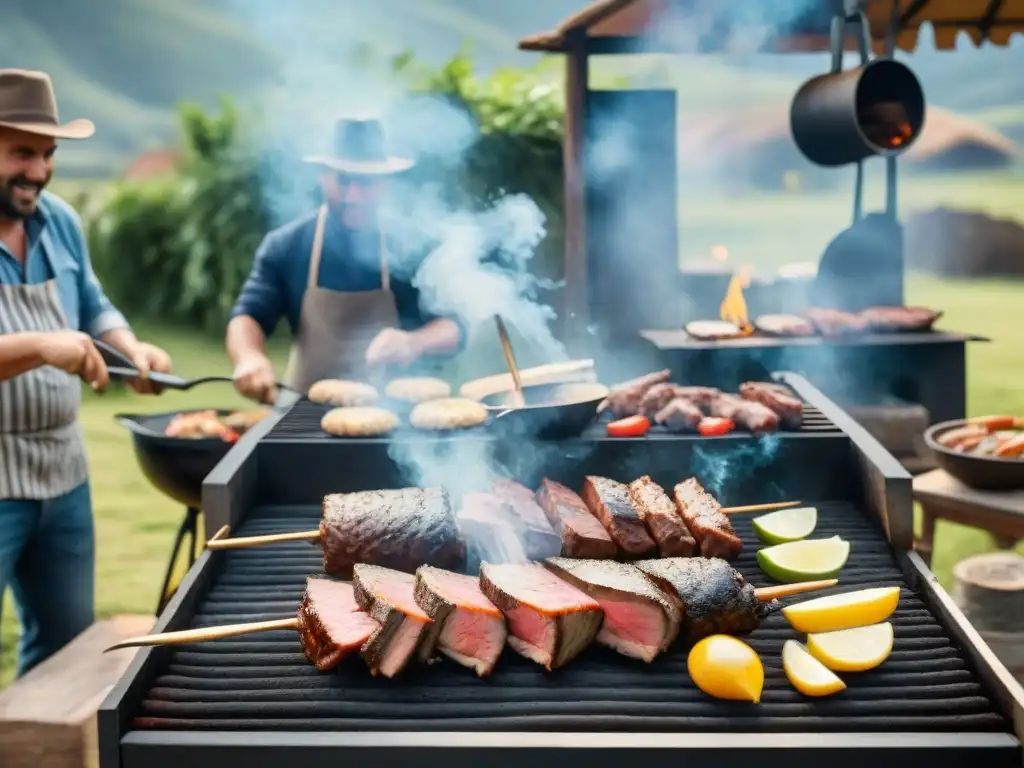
[575,307]
[989,589]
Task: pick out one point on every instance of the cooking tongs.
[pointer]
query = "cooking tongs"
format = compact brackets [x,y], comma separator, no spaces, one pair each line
[120,368]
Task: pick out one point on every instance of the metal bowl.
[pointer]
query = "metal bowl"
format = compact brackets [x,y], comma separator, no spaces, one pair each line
[985,473]
[552,411]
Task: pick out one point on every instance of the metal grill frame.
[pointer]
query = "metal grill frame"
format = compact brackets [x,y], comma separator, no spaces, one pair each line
[885,492]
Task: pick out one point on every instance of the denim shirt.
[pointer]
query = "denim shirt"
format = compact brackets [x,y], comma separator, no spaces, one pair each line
[57,250]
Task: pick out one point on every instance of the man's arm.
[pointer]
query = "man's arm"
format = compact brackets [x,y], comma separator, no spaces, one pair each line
[19,353]
[260,305]
[440,336]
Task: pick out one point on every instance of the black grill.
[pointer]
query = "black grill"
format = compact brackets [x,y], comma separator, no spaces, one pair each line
[263,682]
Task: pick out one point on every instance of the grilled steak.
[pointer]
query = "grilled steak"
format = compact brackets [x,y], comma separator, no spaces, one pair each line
[581,533]
[748,414]
[680,415]
[549,621]
[835,322]
[401,529]
[713,596]
[639,620]
[899,319]
[472,629]
[405,629]
[486,521]
[331,625]
[624,399]
[708,524]
[784,325]
[657,397]
[662,518]
[699,396]
[780,399]
[539,538]
[609,501]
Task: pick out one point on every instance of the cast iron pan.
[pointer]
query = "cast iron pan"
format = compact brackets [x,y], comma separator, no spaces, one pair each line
[552,411]
[984,473]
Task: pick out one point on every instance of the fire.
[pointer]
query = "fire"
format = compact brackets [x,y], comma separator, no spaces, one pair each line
[733,308]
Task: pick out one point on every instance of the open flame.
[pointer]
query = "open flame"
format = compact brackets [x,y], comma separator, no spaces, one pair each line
[733,308]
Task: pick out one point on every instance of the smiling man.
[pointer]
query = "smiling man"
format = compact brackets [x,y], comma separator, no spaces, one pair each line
[51,307]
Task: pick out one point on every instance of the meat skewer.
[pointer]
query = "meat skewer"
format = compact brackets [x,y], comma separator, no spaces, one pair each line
[610,503]
[404,629]
[704,517]
[662,517]
[582,534]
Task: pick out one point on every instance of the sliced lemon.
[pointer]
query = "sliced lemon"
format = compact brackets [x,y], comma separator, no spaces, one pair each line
[835,612]
[806,673]
[852,650]
[804,560]
[726,668]
[785,525]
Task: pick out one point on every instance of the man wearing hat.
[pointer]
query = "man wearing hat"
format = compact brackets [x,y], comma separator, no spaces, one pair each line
[51,306]
[330,275]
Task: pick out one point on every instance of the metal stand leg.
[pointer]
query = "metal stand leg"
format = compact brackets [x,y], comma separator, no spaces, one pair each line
[188,527]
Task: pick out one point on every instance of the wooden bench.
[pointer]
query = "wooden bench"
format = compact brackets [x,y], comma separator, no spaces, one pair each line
[48,717]
[943,497]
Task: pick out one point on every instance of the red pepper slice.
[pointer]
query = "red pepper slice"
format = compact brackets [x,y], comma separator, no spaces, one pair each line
[712,427]
[632,426]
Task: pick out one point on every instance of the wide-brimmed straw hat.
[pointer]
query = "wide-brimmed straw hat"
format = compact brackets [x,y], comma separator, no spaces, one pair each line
[359,149]
[27,104]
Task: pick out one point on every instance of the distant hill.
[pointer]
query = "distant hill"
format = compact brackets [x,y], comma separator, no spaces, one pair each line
[127,63]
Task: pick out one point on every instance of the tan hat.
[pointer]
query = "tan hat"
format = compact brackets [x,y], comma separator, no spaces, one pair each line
[359,150]
[27,104]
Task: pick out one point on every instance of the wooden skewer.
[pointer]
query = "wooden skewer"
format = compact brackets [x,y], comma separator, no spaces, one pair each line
[767,594]
[760,507]
[205,634]
[518,399]
[257,541]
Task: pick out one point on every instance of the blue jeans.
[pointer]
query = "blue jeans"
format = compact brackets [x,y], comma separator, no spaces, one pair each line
[47,552]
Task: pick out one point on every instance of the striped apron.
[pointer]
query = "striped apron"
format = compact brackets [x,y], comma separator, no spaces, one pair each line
[42,450]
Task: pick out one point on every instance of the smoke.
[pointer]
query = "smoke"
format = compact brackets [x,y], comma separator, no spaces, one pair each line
[718,469]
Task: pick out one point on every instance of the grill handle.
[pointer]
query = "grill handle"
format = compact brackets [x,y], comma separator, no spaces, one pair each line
[205,634]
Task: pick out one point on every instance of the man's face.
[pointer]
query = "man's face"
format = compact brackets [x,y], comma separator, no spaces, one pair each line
[355,196]
[26,166]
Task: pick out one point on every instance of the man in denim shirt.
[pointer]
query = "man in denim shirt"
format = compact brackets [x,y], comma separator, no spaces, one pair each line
[51,306]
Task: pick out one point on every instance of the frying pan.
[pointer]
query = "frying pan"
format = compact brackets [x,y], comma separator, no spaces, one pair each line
[552,411]
[985,473]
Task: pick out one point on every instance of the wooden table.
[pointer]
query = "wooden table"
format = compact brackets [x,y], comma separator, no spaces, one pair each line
[942,496]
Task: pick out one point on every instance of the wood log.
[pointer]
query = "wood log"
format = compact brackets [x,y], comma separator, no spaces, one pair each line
[48,717]
[989,589]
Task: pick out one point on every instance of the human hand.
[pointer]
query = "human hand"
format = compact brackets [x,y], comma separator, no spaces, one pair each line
[254,378]
[148,358]
[73,352]
[392,346]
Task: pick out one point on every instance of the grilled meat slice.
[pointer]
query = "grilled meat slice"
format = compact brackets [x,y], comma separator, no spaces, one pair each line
[779,399]
[581,533]
[680,415]
[899,319]
[487,524]
[835,322]
[405,629]
[401,529]
[624,400]
[657,397]
[539,538]
[549,621]
[702,397]
[704,517]
[784,325]
[610,502]
[745,413]
[662,518]
[713,596]
[639,620]
[472,630]
[331,624]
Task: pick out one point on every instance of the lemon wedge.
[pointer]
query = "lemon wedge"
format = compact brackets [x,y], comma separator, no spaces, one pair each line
[785,525]
[726,668]
[806,673]
[835,612]
[804,560]
[852,650]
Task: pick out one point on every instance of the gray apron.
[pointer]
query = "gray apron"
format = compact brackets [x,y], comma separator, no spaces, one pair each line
[335,327]
[42,451]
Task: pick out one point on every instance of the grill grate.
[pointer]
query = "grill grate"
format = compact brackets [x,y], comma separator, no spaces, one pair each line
[263,682]
[302,422]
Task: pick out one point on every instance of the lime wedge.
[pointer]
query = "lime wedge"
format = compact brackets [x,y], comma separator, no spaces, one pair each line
[804,560]
[785,525]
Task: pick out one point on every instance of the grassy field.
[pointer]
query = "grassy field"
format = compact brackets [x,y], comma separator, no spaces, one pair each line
[136,525]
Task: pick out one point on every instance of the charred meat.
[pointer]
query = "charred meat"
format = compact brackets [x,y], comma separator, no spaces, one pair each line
[331,624]
[610,502]
[749,414]
[713,596]
[472,629]
[581,533]
[784,325]
[657,397]
[835,322]
[662,518]
[708,524]
[899,319]
[539,538]
[405,629]
[680,415]
[779,399]
[624,399]
[401,529]
[699,396]
[639,620]
[549,621]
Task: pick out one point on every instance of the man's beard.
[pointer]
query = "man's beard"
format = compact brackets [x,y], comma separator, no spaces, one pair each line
[13,202]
